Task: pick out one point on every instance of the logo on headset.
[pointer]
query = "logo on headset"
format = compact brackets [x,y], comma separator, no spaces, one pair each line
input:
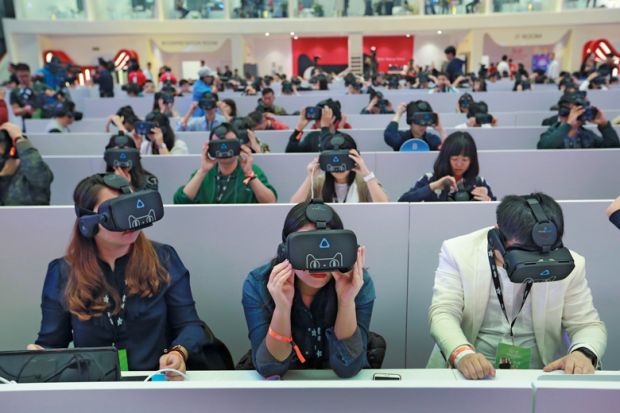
[335,159]
[140,204]
[324,244]
[545,273]
[123,156]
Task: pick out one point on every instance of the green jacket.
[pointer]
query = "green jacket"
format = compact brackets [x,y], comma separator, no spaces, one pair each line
[30,185]
[556,137]
[236,193]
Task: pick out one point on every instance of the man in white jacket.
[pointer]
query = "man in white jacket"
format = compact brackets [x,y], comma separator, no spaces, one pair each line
[472,303]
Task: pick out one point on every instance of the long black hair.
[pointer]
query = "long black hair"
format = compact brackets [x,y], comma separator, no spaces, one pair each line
[137,172]
[329,187]
[163,123]
[457,143]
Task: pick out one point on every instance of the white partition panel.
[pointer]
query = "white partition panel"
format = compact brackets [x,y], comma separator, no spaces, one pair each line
[219,245]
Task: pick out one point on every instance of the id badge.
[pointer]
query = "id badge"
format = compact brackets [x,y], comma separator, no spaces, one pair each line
[122,359]
[512,357]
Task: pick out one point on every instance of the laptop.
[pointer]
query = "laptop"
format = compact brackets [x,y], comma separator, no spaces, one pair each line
[61,365]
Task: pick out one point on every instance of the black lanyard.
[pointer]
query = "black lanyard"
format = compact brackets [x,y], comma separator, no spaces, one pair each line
[221,186]
[500,294]
[116,321]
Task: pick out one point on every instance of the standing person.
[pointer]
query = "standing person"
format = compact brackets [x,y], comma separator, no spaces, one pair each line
[493,305]
[503,68]
[25,178]
[553,69]
[148,73]
[300,319]
[104,79]
[454,68]
[115,287]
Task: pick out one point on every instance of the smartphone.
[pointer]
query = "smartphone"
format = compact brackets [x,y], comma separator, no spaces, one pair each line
[386,376]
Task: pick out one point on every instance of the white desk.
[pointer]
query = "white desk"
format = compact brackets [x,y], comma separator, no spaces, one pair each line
[438,390]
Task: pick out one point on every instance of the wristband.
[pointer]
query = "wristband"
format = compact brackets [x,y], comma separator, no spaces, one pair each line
[176,349]
[249,178]
[459,353]
[288,340]
[369,177]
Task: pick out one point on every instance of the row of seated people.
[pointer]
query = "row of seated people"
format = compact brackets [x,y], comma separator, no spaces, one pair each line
[115,287]
[208,112]
[228,175]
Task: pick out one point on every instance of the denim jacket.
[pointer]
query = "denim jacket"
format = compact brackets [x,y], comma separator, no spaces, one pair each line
[312,328]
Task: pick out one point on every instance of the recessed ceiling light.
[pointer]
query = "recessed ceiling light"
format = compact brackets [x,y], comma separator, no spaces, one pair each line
[439,32]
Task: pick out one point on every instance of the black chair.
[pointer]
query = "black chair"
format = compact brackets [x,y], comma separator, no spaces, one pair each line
[214,355]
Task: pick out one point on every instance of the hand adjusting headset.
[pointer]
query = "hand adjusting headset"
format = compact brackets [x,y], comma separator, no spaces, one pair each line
[129,211]
[549,260]
[322,249]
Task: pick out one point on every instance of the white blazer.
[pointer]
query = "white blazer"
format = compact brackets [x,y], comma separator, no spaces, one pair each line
[461,295]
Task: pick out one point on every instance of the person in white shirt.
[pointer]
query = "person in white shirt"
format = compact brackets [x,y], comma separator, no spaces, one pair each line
[503,68]
[482,314]
[478,116]
[553,69]
[161,139]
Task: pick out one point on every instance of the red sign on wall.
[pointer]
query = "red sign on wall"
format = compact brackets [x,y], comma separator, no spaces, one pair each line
[333,52]
[391,50]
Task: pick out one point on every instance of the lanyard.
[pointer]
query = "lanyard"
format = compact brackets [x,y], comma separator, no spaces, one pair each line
[116,321]
[221,186]
[500,295]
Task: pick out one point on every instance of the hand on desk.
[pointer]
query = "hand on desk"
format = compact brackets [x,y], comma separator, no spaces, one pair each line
[574,363]
[475,367]
[172,360]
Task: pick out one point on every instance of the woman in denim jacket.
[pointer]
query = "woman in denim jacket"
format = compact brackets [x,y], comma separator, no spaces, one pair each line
[302,320]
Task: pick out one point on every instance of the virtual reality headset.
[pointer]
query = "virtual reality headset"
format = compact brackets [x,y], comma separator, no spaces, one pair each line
[121,157]
[144,127]
[167,98]
[422,118]
[483,119]
[207,102]
[130,211]
[465,100]
[313,113]
[224,148]
[323,249]
[336,161]
[549,260]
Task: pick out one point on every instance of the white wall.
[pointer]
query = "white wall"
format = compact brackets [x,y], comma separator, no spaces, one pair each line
[428,47]
[265,51]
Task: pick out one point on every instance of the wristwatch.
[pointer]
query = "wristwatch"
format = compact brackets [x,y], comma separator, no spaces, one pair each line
[589,354]
[177,349]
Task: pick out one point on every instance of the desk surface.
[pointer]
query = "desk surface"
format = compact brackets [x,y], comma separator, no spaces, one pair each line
[439,390]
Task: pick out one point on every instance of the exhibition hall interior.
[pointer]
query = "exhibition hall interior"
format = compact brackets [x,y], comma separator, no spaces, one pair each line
[353,205]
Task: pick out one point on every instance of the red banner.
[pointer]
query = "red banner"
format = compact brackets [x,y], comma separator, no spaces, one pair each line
[333,53]
[391,50]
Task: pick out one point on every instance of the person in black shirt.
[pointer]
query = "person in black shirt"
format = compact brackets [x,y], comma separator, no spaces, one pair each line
[331,120]
[395,138]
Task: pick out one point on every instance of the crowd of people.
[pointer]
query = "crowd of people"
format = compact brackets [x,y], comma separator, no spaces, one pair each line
[114,286]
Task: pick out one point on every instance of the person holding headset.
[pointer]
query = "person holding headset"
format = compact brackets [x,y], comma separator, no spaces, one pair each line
[298,319]
[455,175]
[160,139]
[358,184]
[115,287]
[123,158]
[226,179]
[327,117]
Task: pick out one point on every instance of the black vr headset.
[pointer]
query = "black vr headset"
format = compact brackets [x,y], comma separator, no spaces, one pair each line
[323,249]
[207,101]
[125,156]
[223,148]
[130,211]
[336,160]
[144,127]
[465,100]
[548,261]
[421,113]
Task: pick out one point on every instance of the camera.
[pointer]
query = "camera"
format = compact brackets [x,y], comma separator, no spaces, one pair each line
[143,127]
[224,148]
[313,113]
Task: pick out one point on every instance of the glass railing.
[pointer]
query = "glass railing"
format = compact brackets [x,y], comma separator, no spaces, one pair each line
[51,10]
[276,9]
[194,9]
